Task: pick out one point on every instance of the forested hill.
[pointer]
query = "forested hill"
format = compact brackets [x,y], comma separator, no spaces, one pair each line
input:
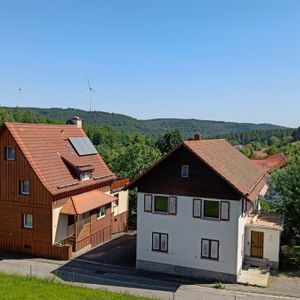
[154,127]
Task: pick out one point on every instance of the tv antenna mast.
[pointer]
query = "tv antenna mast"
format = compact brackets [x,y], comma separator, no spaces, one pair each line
[91,91]
[20,97]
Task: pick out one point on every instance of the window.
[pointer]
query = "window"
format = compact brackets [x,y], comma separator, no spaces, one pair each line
[210,249]
[225,210]
[24,187]
[185,170]
[147,203]
[161,204]
[165,204]
[101,212]
[197,208]
[211,209]
[159,242]
[85,176]
[27,221]
[10,153]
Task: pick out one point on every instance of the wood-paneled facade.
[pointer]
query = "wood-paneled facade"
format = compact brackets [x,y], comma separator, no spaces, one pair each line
[165,178]
[37,240]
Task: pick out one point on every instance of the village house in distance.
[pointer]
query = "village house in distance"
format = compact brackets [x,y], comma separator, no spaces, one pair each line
[57,195]
[199,213]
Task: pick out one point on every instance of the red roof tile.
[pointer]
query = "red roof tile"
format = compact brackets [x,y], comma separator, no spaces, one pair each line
[85,202]
[44,144]
[229,163]
[272,162]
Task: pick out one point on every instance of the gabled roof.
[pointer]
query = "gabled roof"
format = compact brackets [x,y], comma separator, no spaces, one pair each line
[236,169]
[44,145]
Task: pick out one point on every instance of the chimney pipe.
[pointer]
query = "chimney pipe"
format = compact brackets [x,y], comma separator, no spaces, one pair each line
[197,137]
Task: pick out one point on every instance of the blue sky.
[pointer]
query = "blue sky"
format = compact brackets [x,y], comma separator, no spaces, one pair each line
[214,59]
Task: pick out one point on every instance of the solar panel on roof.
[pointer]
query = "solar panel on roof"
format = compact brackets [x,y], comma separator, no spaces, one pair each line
[83,145]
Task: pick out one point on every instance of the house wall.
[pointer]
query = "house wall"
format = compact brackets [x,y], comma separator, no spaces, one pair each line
[241,238]
[59,225]
[185,234]
[271,242]
[13,205]
[122,207]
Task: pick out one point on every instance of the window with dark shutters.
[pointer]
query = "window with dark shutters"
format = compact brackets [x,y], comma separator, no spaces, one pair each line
[160,242]
[210,249]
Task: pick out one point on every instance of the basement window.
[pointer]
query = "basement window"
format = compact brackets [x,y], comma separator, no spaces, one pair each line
[24,187]
[27,221]
[10,153]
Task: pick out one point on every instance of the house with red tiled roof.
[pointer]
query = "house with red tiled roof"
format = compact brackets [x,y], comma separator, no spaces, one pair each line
[57,195]
[199,213]
[272,162]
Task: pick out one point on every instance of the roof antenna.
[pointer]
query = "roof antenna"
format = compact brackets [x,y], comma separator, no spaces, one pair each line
[91,91]
[20,96]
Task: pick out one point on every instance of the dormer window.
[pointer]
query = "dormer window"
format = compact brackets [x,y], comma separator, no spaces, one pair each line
[10,153]
[185,170]
[85,175]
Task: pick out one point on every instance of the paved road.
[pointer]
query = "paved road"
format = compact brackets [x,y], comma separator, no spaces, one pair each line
[120,279]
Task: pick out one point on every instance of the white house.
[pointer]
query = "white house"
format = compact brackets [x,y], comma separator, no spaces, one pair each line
[199,213]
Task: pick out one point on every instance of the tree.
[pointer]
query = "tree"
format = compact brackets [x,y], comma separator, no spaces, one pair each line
[296,134]
[284,194]
[132,160]
[272,150]
[247,151]
[168,141]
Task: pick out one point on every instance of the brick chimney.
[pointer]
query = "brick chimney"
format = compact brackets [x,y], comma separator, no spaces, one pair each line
[197,137]
[75,121]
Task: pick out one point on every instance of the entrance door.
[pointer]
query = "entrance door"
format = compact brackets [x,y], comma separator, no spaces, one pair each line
[257,244]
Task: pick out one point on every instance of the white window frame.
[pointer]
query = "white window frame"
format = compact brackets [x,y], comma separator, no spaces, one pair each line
[185,171]
[25,224]
[100,213]
[203,210]
[85,176]
[7,151]
[22,191]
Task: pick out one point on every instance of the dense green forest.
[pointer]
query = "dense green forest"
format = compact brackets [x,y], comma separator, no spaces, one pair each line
[187,127]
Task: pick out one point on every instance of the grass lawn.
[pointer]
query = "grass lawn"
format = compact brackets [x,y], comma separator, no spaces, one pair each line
[30,288]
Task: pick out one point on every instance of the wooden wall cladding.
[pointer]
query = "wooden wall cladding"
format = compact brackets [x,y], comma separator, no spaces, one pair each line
[11,172]
[202,182]
[119,223]
[51,251]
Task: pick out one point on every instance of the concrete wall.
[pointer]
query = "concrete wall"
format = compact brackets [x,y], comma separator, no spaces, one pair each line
[59,225]
[271,242]
[241,238]
[185,234]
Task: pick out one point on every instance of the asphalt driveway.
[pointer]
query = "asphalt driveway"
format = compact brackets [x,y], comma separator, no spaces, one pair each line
[120,251]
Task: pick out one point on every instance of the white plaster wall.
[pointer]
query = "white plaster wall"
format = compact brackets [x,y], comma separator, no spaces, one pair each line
[241,238]
[59,225]
[123,203]
[271,242]
[185,234]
